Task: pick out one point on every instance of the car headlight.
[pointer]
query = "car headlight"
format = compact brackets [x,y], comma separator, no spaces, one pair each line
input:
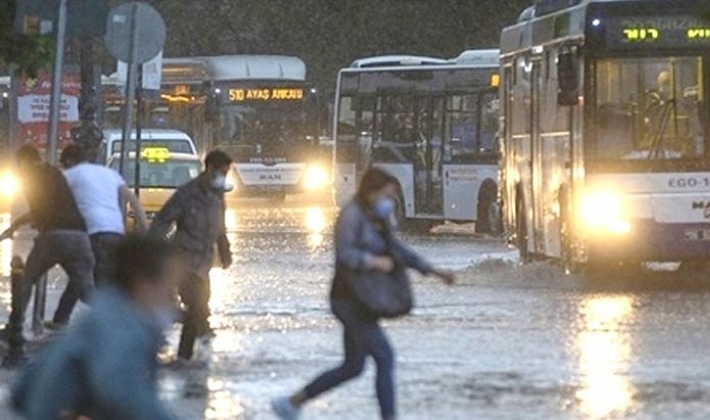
[603,211]
[315,177]
[9,185]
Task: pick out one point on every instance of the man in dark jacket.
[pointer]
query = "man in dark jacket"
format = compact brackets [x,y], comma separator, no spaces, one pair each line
[196,213]
[62,238]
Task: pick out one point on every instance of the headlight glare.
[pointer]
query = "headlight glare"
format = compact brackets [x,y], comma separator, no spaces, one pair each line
[603,210]
[9,186]
[314,178]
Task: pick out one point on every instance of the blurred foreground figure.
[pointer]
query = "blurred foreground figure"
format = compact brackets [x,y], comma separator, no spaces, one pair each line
[99,192]
[193,220]
[104,367]
[365,249]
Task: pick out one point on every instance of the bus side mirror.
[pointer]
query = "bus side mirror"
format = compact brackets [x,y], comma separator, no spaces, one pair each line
[567,80]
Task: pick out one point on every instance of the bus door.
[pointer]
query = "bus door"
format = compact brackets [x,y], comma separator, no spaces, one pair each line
[537,196]
[428,136]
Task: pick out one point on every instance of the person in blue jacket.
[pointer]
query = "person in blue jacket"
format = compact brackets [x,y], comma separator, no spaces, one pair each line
[361,244]
[104,367]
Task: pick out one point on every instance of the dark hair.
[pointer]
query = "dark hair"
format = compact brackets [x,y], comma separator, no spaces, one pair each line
[372,181]
[217,159]
[27,154]
[140,258]
[72,155]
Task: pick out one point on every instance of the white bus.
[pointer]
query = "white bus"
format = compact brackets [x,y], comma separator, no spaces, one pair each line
[607,131]
[430,122]
[258,108]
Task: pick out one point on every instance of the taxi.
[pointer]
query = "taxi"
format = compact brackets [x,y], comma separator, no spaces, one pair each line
[161,173]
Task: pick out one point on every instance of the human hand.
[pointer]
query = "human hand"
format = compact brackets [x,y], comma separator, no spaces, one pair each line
[227,262]
[381,263]
[446,276]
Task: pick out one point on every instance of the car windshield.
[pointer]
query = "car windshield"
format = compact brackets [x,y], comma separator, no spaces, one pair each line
[652,112]
[156,174]
[173,146]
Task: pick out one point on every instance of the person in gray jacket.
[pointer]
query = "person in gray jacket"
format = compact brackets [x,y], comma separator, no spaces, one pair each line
[104,367]
[193,220]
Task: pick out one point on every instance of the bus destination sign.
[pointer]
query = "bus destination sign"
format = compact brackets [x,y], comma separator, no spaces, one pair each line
[266,94]
[657,31]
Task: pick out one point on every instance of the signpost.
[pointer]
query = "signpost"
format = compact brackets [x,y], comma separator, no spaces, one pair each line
[84,18]
[135,34]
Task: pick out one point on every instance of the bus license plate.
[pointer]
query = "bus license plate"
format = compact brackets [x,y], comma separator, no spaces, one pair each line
[697,235]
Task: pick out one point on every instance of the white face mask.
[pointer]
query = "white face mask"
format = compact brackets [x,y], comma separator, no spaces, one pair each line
[219,183]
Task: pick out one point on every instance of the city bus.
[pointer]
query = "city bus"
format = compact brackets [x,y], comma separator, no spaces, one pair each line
[606,139]
[432,123]
[266,115]
[260,109]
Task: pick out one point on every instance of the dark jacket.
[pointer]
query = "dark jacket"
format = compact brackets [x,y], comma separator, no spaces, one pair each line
[51,201]
[359,236]
[196,213]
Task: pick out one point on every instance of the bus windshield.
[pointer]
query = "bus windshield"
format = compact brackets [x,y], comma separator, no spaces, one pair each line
[652,113]
[266,122]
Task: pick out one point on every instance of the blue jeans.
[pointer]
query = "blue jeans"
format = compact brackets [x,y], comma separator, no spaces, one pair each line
[362,338]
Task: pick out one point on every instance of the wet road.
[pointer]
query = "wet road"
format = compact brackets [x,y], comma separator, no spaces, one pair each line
[505,343]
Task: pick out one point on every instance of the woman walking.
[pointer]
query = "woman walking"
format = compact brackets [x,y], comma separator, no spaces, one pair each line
[364,244]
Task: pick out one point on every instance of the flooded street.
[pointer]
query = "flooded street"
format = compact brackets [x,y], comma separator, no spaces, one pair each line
[507,342]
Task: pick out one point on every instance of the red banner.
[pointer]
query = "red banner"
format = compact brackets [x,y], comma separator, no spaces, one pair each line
[33,105]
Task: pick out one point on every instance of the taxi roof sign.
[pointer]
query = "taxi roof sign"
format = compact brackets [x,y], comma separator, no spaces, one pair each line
[155,154]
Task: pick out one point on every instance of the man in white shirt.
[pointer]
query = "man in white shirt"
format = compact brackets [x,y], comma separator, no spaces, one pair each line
[99,192]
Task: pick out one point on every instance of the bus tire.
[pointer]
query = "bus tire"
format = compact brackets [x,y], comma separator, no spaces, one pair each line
[489,219]
[521,229]
[400,213]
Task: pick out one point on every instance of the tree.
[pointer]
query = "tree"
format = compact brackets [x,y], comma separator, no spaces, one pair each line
[30,53]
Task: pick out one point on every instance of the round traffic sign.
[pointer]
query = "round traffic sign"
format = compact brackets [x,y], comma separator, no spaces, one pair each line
[135,32]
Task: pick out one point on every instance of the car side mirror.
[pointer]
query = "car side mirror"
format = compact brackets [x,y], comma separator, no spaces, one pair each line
[567,80]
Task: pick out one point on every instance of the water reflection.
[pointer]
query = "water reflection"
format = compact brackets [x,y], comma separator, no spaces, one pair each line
[230,222]
[315,223]
[604,351]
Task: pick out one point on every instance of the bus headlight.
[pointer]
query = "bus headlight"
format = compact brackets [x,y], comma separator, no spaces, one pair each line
[603,211]
[315,178]
[9,186]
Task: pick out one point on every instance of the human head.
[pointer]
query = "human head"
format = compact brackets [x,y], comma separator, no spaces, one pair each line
[72,155]
[664,81]
[376,184]
[217,161]
[149,270]
[26,158]
[217,164]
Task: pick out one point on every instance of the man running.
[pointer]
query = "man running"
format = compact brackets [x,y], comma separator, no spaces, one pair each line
[99,192]
[196,211]
[61,239]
